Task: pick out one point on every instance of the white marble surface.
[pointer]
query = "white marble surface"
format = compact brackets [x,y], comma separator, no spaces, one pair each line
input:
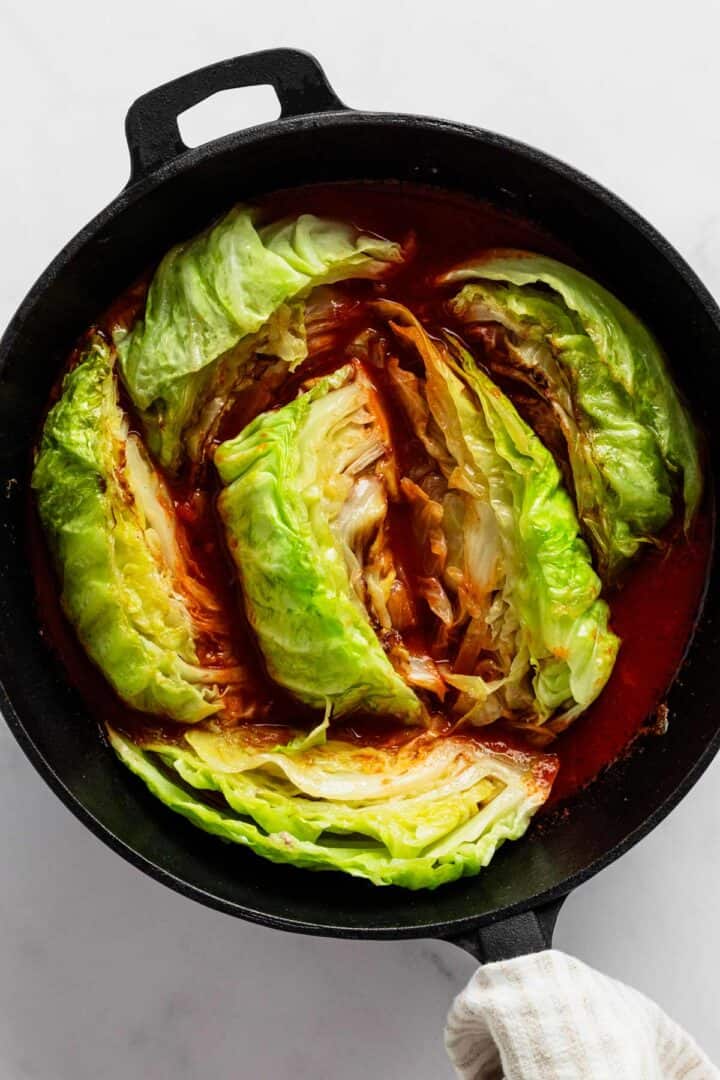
[104,973]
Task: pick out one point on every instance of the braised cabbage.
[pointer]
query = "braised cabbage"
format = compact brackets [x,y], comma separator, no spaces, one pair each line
[418,816]
[306,491]
[515,550]
[336,551]
[630,441]
[126,585]
[212,297]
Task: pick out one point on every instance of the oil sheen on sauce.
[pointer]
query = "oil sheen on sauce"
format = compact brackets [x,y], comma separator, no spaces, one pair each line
[653,609]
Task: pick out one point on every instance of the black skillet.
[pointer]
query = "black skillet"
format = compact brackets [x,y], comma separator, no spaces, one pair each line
[511,907]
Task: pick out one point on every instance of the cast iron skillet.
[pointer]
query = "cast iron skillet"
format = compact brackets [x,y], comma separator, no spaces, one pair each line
[511,907]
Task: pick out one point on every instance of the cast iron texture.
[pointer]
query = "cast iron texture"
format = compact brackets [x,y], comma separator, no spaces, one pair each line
[173,192]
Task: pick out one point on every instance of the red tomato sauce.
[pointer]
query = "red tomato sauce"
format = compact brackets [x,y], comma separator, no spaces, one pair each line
[653,610]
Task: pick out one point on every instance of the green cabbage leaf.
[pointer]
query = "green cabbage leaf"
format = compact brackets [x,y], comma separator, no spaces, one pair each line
[418,816]
[629,438]
[212,297]
[305,496]
[126,585]
[512,547]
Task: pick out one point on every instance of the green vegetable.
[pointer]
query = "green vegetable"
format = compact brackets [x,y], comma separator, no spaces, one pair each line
[627,432]
[212,294]
[111,529]
[529,572]
[304,492]
[417,816]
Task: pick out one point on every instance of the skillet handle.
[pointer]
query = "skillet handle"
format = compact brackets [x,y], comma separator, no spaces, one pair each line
[151,125]
[528,932]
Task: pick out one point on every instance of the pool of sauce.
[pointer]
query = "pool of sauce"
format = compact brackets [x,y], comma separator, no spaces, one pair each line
[653,608]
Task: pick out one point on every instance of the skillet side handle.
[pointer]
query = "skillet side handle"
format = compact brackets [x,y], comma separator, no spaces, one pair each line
[151,125]
[529,932]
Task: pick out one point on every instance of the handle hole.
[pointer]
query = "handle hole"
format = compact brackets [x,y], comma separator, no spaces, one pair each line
[228,111]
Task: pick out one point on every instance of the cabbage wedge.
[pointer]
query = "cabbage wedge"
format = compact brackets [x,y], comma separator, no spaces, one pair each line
[304,507]
[537,649]
[629,439]
[231,292]
[127,586]
[418,816]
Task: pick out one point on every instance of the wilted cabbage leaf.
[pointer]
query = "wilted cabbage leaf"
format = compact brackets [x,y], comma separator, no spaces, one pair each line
[628,435]
[214,294]
[304,503]
[537,648]
[126,585]
[418,816]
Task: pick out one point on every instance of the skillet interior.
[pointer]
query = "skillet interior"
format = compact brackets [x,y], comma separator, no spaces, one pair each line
[51,721]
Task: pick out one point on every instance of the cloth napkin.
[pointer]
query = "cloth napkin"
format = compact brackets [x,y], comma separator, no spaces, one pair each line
[548,1016]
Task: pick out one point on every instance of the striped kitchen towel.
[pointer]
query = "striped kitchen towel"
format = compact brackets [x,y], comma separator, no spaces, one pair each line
[548,1016]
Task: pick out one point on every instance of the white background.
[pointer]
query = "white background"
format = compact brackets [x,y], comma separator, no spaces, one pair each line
[104,973]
